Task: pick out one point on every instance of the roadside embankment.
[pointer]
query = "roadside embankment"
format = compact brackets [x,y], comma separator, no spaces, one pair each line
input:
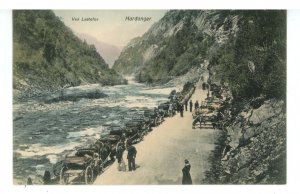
[252,149]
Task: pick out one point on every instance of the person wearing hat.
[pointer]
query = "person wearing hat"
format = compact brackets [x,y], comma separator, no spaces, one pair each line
[131,154]
[29,181]
[186,176]
[181,109]
[186,104]
[191,105]
[197,105]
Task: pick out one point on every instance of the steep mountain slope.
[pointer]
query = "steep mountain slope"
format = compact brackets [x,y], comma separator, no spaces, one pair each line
[109,52]
[177,42]
[244,52]
[47,55]
[243,48]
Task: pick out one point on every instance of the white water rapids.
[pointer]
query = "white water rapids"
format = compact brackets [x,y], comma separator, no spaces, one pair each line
[43,133]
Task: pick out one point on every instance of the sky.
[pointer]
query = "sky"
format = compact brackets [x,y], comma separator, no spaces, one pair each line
[111,27]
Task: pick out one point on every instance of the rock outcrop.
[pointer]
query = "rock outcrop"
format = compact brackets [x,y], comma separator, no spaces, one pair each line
[253,147]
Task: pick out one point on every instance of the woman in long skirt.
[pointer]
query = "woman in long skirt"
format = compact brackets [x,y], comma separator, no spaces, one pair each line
[186,176]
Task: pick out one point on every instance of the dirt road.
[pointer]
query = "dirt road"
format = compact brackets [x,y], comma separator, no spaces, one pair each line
[161,154]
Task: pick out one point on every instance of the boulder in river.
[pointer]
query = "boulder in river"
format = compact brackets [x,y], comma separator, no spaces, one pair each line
[76,93]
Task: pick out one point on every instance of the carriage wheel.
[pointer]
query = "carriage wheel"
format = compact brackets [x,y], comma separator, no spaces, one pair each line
[64,177]
[89,176]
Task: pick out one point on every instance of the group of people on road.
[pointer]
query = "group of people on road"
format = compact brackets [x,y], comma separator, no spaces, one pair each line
[132,152]
[196,105]
[131,155]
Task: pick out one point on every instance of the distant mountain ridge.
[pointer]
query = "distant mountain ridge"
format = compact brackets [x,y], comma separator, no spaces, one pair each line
[109,52]
[48,56]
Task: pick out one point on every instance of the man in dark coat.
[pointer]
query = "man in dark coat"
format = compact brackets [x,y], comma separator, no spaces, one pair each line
[186,176]
[197,104]
[181,109]
[203,86]
[186,104]
[47,178]
[191,106]
[131,157]
[29,181]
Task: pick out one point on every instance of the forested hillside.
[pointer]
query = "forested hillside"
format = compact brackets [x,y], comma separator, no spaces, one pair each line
[253,62]
[245,54]
[48,56]
[246,49]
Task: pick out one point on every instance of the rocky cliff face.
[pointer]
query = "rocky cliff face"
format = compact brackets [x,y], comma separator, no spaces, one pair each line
[179,41]
[246,49]
[252,149]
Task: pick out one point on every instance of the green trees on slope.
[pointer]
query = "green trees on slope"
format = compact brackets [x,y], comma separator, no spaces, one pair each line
[246,49]
[254,62]
[47,55]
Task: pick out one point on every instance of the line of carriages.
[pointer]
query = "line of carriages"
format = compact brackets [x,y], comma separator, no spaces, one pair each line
[211,112]
[87,163]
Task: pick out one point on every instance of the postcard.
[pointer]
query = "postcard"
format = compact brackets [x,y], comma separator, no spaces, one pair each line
[149,97]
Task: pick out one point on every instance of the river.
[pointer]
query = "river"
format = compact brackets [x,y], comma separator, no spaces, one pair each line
[43,133]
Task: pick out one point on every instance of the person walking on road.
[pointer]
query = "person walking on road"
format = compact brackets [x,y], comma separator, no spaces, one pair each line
[29,181]
[181,109]
[198,119]
[131,156]
[119,156]
[186,176]
[191,106]
[203,86]
[197,104]
[186,104]
[171,110]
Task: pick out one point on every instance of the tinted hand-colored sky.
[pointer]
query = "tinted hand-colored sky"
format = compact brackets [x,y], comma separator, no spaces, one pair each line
[111,26]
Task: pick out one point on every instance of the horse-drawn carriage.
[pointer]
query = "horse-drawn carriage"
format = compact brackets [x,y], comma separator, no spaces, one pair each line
[108,143]
[208,112]
[136,129]
[187,91]
[163,109]
[204,116]
[215,90]
[166,110]
[211,103]
[85,163]
[153,117]
[88,162]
